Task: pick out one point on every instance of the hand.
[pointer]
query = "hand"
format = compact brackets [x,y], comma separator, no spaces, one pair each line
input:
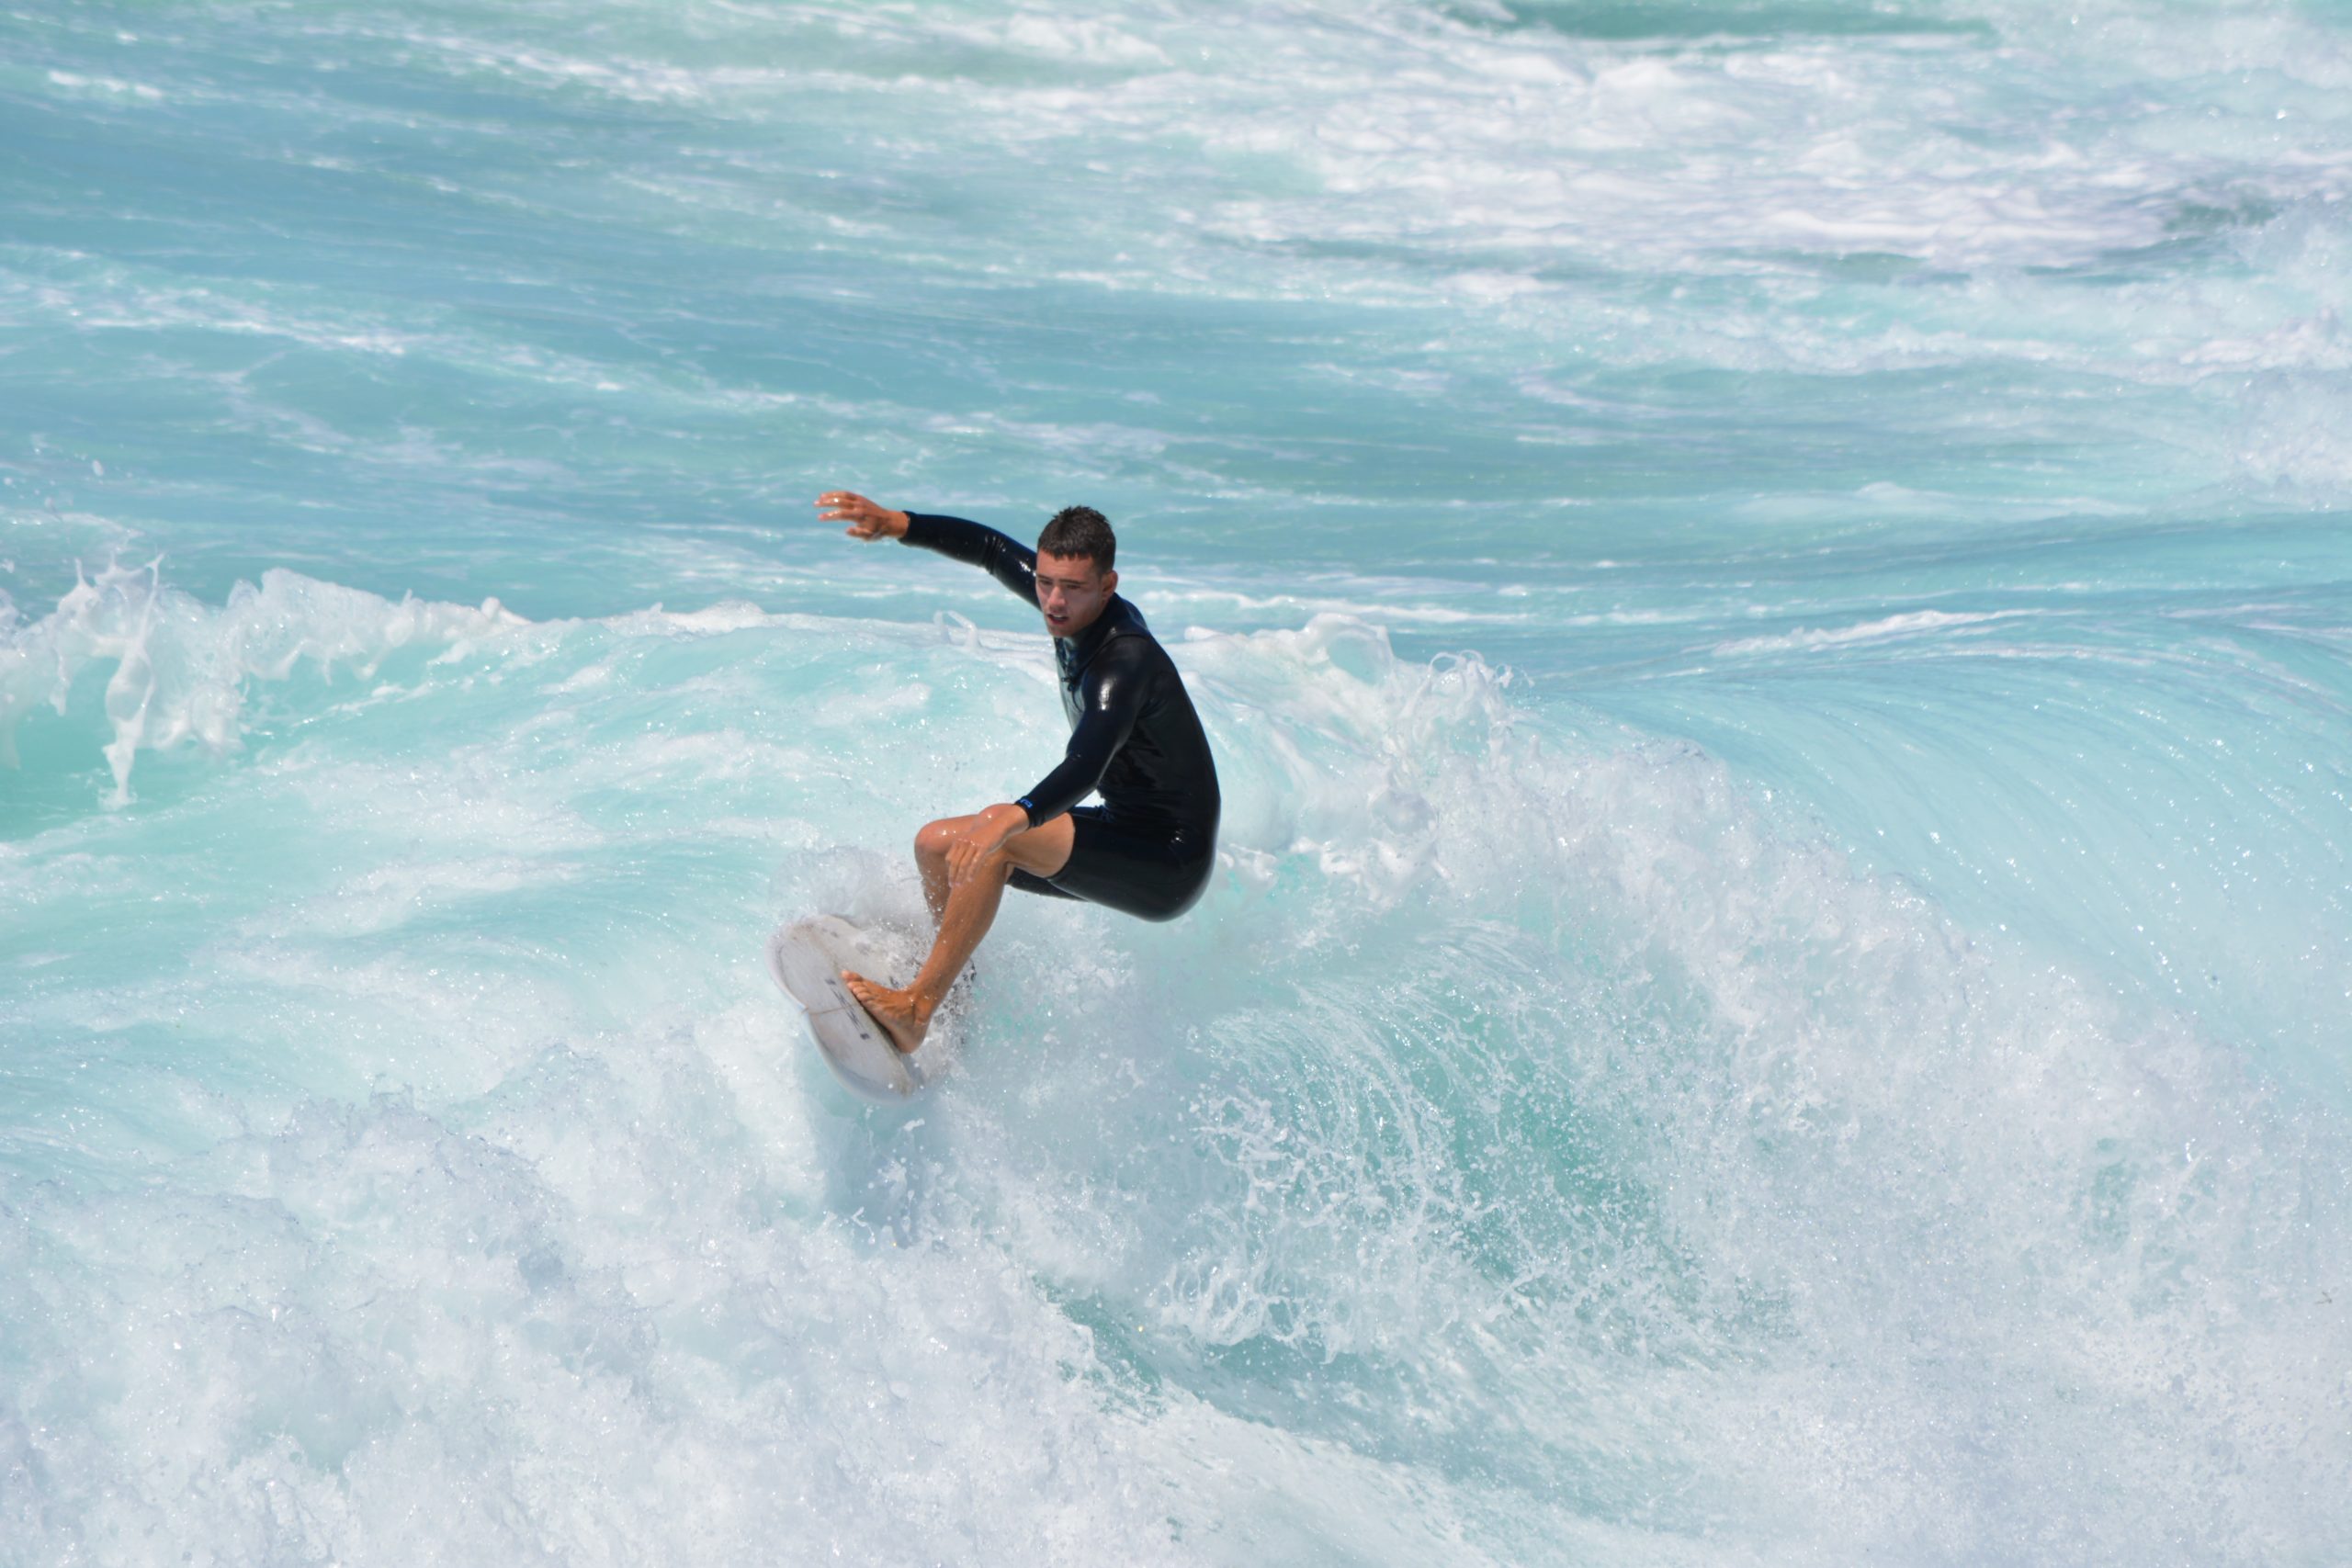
[865,520]
[989,832]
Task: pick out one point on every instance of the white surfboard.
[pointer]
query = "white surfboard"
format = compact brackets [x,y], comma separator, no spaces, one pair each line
[806,958]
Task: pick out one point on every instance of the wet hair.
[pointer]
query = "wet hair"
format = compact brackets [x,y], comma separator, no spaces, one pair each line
[1080,531]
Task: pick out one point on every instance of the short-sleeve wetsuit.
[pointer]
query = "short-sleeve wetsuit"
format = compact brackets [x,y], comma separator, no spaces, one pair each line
[1149,848]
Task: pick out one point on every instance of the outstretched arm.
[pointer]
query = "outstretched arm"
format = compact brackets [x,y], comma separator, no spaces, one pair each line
[1004,559]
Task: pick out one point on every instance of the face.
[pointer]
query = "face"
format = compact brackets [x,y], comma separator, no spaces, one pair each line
[1072,593]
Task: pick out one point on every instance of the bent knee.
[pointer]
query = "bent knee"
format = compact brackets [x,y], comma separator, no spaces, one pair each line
[936,838]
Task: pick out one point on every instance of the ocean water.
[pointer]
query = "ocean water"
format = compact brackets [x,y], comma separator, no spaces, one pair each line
[1771,582]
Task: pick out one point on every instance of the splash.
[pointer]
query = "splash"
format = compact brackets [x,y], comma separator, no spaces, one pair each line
[1531,1138]
[181,670]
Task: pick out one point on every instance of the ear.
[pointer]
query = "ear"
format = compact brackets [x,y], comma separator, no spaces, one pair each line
[1110,582]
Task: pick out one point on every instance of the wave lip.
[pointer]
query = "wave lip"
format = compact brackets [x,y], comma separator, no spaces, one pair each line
[181,668]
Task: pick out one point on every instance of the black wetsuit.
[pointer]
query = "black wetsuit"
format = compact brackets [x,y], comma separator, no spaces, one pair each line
[1149,848]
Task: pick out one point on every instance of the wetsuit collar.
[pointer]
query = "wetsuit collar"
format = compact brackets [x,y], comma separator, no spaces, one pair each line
[1077,652]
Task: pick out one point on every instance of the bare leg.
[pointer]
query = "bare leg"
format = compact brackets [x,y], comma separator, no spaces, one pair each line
[930,858]
[966,910]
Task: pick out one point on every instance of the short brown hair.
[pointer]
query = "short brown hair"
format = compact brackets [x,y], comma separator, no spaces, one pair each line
[1081,531]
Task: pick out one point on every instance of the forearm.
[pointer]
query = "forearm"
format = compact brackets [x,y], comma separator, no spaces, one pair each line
[1091,746]
[1110,702]
[1060,790]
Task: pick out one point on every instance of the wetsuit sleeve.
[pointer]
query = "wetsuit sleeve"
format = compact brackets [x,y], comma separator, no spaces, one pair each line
[1110,699]
[1009,561]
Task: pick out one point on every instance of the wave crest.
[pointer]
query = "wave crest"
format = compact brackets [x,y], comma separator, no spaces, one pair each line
[181,669]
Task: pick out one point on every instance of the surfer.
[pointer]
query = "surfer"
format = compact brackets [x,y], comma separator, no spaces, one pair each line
[1147,849]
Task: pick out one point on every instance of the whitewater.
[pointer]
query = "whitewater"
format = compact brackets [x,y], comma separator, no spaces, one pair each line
[1770,583]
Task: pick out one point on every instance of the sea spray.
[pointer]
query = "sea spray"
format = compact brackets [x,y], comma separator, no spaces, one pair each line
[1648,1165]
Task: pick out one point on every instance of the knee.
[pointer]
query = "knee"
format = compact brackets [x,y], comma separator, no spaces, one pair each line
[934,838]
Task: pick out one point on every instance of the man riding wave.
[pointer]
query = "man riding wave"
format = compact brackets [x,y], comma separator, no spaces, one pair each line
[1147,849]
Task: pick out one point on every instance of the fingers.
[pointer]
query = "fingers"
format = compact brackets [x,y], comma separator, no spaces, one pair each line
[847,506]
[967,860]
[865,519]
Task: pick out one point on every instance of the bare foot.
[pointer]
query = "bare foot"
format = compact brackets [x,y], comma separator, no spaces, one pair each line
[904,1014]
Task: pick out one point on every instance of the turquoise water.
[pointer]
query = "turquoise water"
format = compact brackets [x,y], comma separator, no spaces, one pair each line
[1772,585]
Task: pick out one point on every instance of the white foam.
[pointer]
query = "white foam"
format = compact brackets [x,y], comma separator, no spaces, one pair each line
[180,669]
[1523,1118]
[1903,1120]
[1885,628]
[108,86]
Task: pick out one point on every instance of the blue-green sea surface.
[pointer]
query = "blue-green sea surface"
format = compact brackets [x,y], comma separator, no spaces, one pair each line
[1770,581]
